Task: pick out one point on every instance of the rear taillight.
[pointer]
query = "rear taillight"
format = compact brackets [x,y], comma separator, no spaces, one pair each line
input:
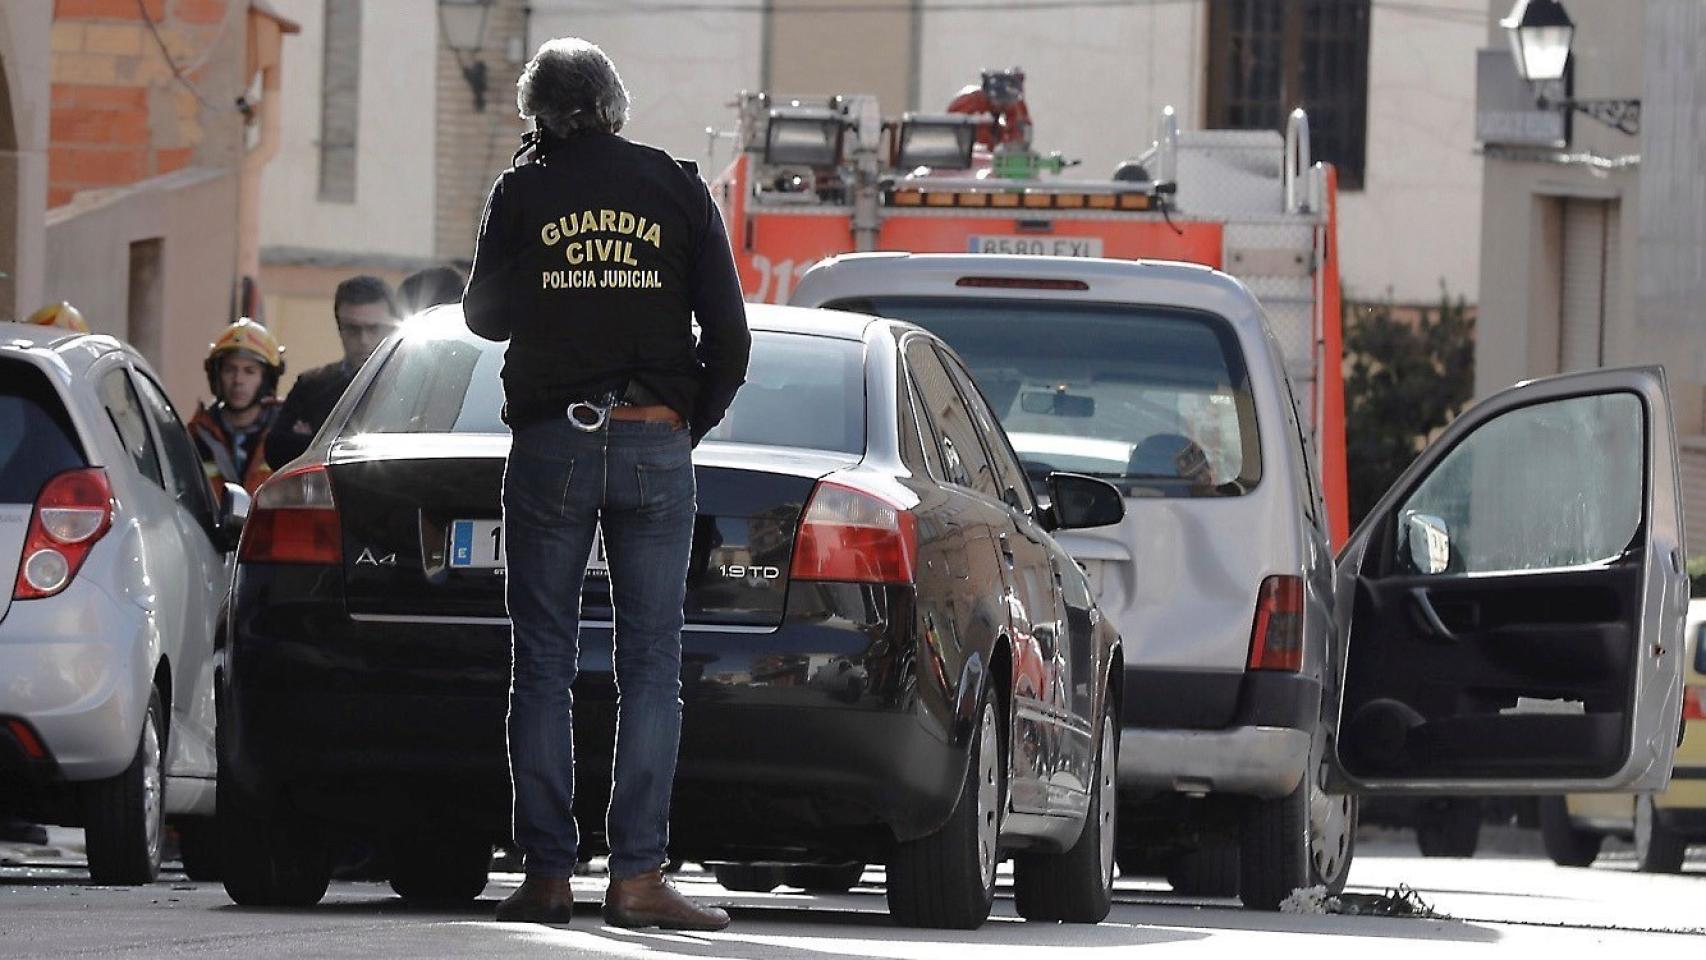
[1276,642]
[27,740]
[294,520]
[1691,706]
[73,510]
[854,536]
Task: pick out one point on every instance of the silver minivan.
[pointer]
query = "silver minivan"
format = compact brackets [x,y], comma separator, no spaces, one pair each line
[1499,595]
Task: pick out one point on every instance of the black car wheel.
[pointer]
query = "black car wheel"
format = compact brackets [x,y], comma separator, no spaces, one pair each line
[1448,827]
[1565,845]
[747,877]
[1211,870]
[276,860]
[1658,848]
[823,878]
[438,870]
[1306,838]
[198,848]
[125,815]
[1078,886]
[947,879]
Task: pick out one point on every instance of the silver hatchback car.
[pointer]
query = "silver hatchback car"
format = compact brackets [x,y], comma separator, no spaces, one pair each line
[118,563]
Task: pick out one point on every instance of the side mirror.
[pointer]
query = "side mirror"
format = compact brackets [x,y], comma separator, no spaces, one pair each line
[1078,502]
[233,513]
[1429,542]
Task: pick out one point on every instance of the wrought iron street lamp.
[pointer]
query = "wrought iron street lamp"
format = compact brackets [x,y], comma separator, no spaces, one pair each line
[462,24]
[1541,34]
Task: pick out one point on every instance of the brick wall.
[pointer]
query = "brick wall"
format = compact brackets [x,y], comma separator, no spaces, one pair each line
[474,147]
[119,115]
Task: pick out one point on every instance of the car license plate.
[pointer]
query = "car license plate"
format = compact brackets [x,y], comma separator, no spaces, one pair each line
[479,545]
[1037,246]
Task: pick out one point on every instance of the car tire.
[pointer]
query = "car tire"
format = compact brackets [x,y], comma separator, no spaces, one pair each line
[277,860]
[438,870]
[1448,827]
[946,880]
[125,816]
[747,877]
[1304,839]
[1077,886]
[824,878]
[1566,845]
[1210,870]
[198,848]
[1658,848]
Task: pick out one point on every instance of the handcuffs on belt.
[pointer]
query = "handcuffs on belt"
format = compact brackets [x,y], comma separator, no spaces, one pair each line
[589,416]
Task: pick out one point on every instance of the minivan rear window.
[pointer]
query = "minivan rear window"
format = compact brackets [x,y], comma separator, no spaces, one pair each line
[37,439]
[1154,399]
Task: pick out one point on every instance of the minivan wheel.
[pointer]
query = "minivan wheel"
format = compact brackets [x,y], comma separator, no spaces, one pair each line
[1448,827]
[1658,848]
[1211,870]
[1078,886]
[947,879]
[438,870]
[1566,845]
[1306,838]
[125,816]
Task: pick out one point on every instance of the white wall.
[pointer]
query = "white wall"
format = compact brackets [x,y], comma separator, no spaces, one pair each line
[1417,220]
[1095,78]
[394,202]
[682,69]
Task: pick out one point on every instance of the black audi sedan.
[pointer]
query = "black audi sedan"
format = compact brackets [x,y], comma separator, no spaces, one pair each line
[887,658]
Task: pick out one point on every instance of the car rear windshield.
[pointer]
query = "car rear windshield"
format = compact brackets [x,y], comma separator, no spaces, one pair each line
[801,390]
[1156,400]
[37,439]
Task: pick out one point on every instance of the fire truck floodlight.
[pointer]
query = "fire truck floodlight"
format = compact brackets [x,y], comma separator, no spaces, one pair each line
[939,141]
[804,136]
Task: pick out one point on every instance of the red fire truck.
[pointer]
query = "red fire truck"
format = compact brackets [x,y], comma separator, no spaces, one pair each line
[815,177]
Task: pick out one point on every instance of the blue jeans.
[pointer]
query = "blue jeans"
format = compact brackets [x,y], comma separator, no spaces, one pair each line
[635,479]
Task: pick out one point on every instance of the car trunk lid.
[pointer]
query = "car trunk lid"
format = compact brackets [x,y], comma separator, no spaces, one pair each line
[421,522]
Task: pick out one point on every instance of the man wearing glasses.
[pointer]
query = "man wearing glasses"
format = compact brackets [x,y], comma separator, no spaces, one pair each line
[366,312]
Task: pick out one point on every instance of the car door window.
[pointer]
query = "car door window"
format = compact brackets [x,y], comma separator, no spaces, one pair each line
[963,460]
[124,412]
[919,447]
[1008,472]
[1554,484]
[187,479]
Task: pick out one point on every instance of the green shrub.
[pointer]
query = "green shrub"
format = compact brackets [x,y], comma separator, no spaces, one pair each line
[1697,577]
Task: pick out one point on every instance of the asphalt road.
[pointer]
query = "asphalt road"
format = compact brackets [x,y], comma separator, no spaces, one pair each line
[1504,902]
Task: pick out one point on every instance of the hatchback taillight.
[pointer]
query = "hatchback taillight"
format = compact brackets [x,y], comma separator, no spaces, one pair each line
[1691,706]
[294,520]
[1276,641]
[73,510]
[854,536]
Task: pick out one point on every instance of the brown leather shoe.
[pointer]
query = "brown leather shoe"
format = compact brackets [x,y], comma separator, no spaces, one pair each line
[649,900]
[539,900]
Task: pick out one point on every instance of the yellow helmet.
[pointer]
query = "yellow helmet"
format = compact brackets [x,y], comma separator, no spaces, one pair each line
[246,336]
[62,315]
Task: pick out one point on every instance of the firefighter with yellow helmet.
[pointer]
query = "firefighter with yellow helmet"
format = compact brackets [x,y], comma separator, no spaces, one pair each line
[243,369]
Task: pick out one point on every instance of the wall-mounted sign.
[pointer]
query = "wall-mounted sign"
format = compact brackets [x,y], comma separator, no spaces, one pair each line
[1505,113]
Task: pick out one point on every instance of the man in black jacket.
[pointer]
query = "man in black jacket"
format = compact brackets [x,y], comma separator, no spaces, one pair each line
[594,259]
[367,313]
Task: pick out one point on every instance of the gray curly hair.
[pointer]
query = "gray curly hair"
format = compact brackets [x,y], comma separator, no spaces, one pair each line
[569,86]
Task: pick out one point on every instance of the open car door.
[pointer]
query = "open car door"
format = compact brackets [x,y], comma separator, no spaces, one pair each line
[1510,615]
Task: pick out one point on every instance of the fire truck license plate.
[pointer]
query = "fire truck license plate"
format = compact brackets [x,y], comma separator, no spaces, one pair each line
[1037,246]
